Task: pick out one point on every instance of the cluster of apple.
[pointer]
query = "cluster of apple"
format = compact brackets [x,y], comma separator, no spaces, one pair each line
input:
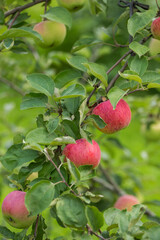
[80,153]
[53,33]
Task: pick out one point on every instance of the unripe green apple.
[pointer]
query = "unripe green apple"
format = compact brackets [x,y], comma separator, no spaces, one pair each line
[72,5]
[52,33]
[154,47]
[152,132]
[15,212]
[115,119]
[83,153]
[155,28]
[126,202]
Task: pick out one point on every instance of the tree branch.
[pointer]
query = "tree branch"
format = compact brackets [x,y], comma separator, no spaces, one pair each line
[12,85]
[21,8]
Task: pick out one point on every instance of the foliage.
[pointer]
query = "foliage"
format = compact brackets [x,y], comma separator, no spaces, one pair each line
[104,56]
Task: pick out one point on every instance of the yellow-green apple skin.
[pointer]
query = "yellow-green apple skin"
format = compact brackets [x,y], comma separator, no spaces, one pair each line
[83,153]
[72,5]
[152,132]
[115,119]
[154,47]
[15,212]
[155,28]
[52,33]
[126,202]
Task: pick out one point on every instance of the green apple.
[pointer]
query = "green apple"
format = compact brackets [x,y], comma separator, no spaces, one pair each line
[15,212]
[52,33]
[154,47]
[72,5]
[152,132]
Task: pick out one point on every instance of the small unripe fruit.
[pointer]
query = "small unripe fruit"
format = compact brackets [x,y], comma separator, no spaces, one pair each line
[115,119]
[83,153]
[154,47]
[126,202]
[15,212]
[155,28]
[52,33]
[72,5]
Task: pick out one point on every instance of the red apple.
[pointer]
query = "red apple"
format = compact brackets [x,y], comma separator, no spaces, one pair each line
[155,28]
[15,212]
[83,153]
[126,202]
[53,33]
[115,119]
[72,5]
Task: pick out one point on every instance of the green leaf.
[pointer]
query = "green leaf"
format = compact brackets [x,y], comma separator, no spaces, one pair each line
[94,217]
[40,135]
[138,65]
[77,62]
[5,232]
[153,85]
[139,21]
[130,75]
[2,19]
[39,197]
[33,100]
[71,129]
[83,43]
[115,94]
[8,43]
[86,172]
[16,156]
[153,234]
[151,76]
[60,15]
[52,125]
[123,221]
[97,120]
[62,140]
[65,77]
[73,104]
[98,71]
[41,83]
[72,91]
[111,216]
[73,170]
[71,211]
[20,32]
[94,198]
[138,48]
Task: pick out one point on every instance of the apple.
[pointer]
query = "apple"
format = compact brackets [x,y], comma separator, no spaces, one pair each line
[154,47]
[126,202]
[71,5]
[52,33]
[155,28]
[83,153]
[115,119]
[15,212]
[152,132]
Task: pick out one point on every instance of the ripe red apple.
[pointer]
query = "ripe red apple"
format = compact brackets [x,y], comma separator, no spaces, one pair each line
[53,33]
[115,119]
[15,212]
[126,202]
[72,5]
[155,28]
[83,153]
[154,47]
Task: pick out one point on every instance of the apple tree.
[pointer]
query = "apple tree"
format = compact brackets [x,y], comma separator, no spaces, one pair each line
[80,119]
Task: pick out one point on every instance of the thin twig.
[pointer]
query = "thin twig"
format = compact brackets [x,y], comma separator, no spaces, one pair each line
[58,170]
[136,90]
[21,8]
[36,227]
[112,82]
[12,85]
[91,232]
[14,19]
